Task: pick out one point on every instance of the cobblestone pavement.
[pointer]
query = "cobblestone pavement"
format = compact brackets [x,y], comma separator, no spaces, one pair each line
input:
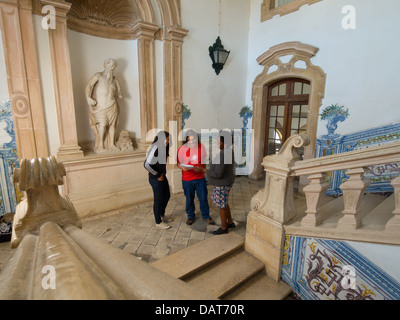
[132,229]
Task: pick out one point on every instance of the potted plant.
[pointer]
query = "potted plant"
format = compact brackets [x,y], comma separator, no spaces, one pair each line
[246,113]
[186,113]
[334,114]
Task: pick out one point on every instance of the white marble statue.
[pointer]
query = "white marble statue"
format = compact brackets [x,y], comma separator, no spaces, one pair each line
[102,93]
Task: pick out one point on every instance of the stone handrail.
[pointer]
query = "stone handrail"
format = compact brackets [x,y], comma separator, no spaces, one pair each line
[56,260]
[388,153]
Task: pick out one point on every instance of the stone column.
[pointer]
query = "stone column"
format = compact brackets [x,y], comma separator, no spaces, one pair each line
[353,191]
[23,78]
[173,41]
[314,192]
[62,77]
[145,33]
[393,224]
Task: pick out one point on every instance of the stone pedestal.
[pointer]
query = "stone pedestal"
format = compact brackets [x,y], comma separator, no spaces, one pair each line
[97,184]
[273,206]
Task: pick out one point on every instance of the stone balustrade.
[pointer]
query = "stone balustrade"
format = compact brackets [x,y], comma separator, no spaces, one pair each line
[274,213]
[356,162]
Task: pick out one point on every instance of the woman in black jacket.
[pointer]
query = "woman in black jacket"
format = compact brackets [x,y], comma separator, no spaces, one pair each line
[156,165]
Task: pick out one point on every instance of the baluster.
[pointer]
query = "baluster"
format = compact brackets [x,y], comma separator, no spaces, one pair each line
[393,224]
[314,193]
[353,190]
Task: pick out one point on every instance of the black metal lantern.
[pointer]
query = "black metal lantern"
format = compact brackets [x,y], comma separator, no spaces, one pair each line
[218,55]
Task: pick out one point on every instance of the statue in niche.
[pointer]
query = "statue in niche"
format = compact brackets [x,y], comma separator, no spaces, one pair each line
[102,94]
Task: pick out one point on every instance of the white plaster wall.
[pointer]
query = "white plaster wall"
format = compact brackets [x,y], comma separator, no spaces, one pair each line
[88,54]
[215,101]
[361,65]
[4,95]
[384,256]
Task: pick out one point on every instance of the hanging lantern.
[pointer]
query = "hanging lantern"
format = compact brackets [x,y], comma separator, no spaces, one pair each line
[218,55]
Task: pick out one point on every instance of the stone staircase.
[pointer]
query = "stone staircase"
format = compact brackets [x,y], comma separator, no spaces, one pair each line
[222,268]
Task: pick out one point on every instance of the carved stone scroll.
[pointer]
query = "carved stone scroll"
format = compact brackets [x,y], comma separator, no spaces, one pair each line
[40,179]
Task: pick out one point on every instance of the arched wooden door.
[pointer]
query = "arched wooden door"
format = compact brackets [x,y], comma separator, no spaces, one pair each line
[287,111]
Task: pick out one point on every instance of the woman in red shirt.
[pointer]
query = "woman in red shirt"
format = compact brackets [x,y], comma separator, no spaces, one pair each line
[192,158]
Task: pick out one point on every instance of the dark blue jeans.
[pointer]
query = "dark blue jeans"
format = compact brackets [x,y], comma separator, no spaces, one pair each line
[198,187]
[161,197]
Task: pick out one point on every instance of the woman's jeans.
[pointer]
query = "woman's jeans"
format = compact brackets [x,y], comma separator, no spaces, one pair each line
[161,197]
[199,187]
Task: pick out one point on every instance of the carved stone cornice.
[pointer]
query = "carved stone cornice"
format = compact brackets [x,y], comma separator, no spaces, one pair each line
[144,29]
[175,33]
[62,7]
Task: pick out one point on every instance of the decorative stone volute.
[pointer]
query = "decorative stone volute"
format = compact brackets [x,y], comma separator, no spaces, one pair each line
[275,200]
[39,179]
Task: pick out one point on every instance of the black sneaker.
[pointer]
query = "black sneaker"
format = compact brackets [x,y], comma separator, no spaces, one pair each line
[232,225]
[220,231]
[189,222]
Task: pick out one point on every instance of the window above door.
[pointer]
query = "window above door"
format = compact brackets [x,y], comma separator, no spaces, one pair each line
[270,8]
[287,109]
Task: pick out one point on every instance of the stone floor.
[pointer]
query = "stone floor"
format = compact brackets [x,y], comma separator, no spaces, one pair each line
[133,229]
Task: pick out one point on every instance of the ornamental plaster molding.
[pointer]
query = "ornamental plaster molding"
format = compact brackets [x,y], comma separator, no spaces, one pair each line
[267,10]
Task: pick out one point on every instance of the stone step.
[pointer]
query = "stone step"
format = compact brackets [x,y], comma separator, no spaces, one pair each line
[191,259]
[225,275]
[260,287]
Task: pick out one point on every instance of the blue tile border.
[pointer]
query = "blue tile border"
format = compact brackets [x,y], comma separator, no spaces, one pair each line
[314,269]
[8,162]
[380,176]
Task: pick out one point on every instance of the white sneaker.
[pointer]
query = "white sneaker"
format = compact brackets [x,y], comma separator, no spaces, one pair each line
[167,219]
[163,226]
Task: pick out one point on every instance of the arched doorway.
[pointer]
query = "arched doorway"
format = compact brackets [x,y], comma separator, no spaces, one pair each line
[290,60]
[287,112]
